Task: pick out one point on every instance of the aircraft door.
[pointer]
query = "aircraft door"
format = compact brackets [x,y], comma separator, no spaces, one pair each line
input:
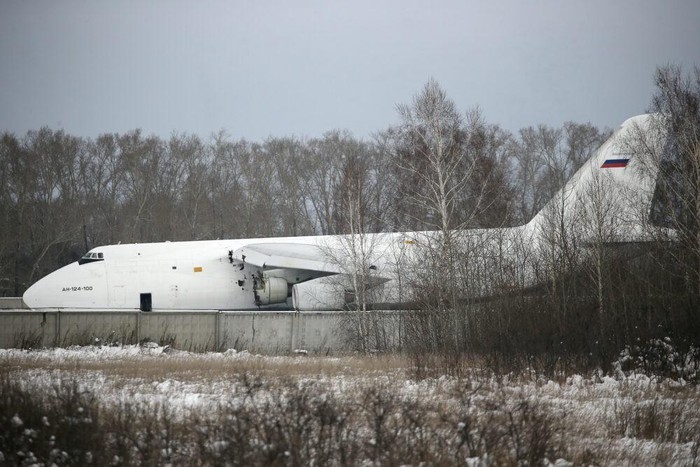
[146,302]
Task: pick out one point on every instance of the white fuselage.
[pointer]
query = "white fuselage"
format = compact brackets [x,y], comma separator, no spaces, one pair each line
[178,275]
[205,275]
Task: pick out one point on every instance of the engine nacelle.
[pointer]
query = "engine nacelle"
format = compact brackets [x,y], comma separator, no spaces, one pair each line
[324,293]
[271,290]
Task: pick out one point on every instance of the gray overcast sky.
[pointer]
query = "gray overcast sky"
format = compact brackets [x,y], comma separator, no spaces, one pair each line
[301,68]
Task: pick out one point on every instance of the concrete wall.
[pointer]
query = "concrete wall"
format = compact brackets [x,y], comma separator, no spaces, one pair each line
[27,329]
[264,332]
[11,303]
[99,327]
[267,332]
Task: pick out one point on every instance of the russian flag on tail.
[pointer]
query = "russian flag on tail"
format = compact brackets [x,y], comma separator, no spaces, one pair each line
[614,163]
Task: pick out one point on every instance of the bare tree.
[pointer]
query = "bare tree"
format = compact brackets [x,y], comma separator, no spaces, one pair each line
[432,153]
[324,159]
[536,168]
[488,199]
[103,181]
[355,252]
[544,158]
[677,107]
[226,185]
[191,184]
[17,186]
[601,227]
[141,157]
[289,168]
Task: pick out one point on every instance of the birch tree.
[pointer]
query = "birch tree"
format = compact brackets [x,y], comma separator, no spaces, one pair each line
[430,154]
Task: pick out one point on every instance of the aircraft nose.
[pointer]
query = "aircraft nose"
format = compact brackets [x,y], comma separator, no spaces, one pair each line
[72,286]
[46,292]
[35,296]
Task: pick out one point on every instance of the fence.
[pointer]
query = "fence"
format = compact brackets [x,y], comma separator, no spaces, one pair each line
[259,331]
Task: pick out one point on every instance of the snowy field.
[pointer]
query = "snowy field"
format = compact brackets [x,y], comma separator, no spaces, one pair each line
[153,405]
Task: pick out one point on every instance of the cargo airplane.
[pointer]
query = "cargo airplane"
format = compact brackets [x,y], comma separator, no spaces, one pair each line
[315,272]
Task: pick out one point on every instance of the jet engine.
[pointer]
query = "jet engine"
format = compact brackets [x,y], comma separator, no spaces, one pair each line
[269,290]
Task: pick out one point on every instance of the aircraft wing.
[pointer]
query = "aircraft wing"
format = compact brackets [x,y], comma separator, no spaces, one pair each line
[287,256]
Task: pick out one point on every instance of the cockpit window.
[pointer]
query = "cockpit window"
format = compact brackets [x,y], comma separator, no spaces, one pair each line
[91,257]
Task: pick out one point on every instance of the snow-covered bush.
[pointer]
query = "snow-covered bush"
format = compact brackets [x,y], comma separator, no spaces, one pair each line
[660,358]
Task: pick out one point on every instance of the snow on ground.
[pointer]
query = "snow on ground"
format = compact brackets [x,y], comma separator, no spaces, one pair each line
[629,418]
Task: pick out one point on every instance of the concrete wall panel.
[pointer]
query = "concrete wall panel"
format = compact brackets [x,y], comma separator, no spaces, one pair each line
[325,331]
[322,332]
[97,327]
[195,331]
[266,332]
[11,303]
[236,330]
[27,329]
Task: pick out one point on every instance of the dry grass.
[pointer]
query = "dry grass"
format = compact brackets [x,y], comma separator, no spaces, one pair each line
[197,366]
[238,409]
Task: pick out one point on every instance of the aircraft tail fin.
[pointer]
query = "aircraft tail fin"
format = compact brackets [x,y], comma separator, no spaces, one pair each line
[610,198]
